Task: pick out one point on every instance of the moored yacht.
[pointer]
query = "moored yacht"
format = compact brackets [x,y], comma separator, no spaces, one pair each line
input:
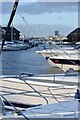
[46,53]
[60,110]
[66,62]
[11,46]
[38,89]
[24,96]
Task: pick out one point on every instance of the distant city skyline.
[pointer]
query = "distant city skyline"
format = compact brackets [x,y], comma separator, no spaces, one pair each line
[42,18]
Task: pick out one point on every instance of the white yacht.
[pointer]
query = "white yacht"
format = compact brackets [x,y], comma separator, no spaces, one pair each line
[66,62]
[60,110]
[63,58]
[52,52]
[11,46]
[46,53]
[38,89]
[24,97]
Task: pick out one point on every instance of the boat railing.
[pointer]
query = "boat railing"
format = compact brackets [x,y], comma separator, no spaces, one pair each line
[62,95]
[19,112]
[52,92]
[24,79]
[66,55]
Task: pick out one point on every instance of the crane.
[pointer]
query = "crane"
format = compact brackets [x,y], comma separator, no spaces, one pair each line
[10,21]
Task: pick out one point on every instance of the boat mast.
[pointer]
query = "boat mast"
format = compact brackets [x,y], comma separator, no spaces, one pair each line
[10,21]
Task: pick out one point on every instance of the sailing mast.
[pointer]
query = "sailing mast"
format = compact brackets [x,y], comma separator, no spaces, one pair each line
[10,21]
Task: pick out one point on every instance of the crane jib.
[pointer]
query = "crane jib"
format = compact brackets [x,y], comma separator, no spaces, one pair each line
[13,12]
[10,21]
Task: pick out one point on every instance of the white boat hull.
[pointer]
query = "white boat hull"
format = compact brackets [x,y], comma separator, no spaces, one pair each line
[63,110]
[16,90]
[67,67]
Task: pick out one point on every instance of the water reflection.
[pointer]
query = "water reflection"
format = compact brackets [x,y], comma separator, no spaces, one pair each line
[17,62]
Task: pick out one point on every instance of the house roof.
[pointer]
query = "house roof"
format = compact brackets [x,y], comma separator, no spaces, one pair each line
[74,33]
[14,29]
[74,36]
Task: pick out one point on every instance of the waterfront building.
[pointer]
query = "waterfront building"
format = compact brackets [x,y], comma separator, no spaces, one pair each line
[74,36]
[56,33]
[13,34]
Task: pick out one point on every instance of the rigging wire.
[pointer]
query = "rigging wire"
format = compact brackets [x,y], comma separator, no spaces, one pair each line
[23,18]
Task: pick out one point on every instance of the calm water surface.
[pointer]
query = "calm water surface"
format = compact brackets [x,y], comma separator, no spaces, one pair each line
[17,62]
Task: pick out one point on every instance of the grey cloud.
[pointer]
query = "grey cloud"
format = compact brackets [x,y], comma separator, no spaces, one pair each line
[42,7]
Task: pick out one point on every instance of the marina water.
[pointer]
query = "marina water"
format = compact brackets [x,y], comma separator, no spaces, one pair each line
[25,61]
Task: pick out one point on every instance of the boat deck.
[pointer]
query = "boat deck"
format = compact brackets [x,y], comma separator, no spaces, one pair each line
[36,90]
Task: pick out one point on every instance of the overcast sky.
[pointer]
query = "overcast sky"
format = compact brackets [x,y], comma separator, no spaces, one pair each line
[42,18]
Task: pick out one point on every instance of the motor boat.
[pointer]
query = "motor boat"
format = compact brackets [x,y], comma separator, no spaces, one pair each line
[67,62]
[57,97]
[32,90]
[11,46]
[60,110]
[46,53]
